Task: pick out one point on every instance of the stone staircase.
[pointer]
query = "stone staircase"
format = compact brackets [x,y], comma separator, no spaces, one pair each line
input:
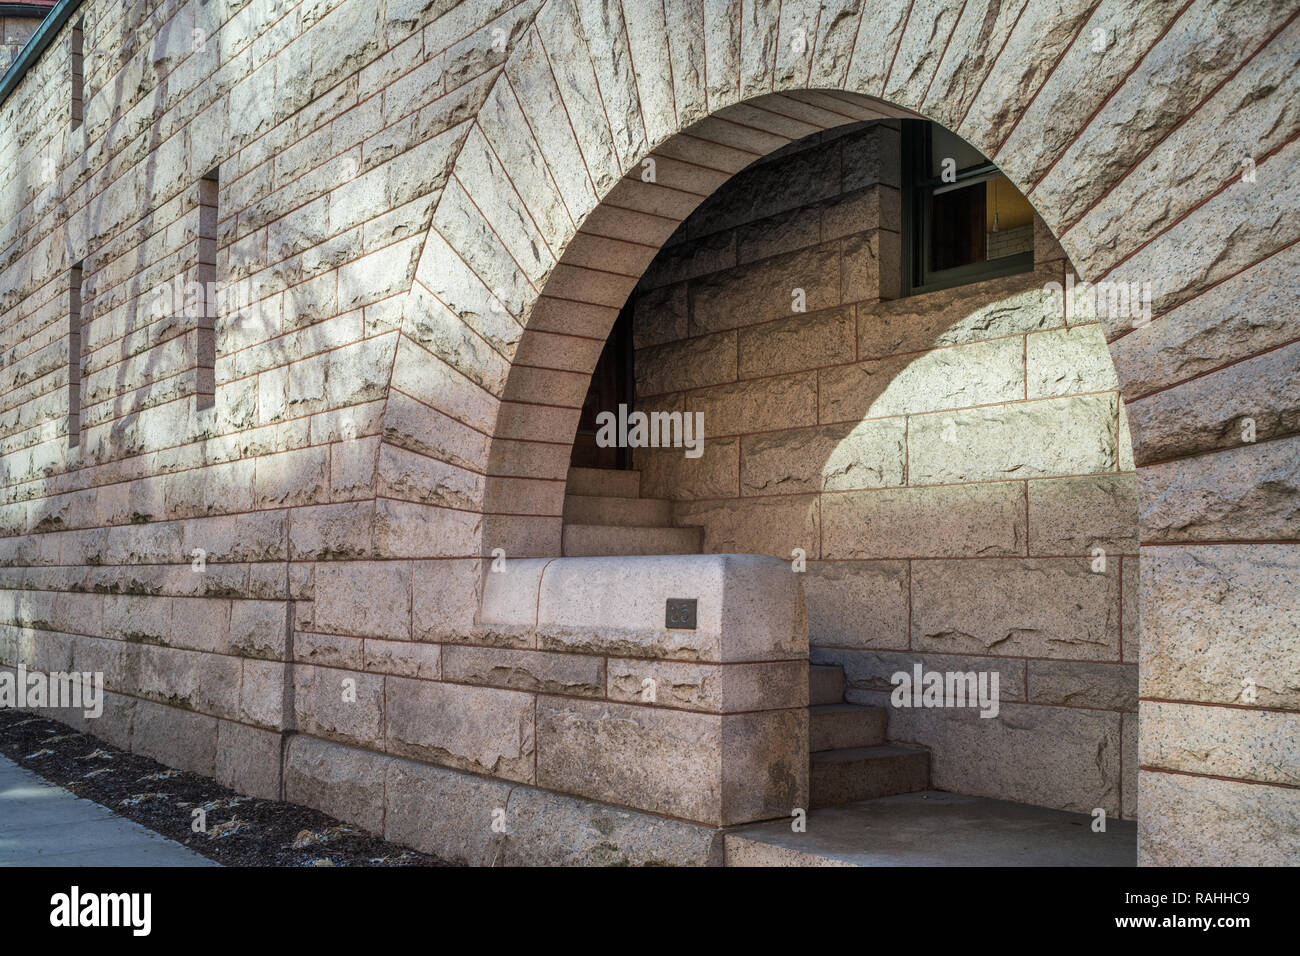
[849,759]
[605,515]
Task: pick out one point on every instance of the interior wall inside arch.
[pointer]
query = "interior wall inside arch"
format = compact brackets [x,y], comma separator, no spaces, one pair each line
[948,462]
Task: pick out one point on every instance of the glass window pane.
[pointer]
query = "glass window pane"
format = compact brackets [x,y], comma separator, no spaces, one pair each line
[957,219]
[1009,223]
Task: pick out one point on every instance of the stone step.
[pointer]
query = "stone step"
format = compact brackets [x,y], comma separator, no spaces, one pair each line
[825,684]
[618,512]
[864,773]
[742,849]
[843,726]
[593,540]
[604,482]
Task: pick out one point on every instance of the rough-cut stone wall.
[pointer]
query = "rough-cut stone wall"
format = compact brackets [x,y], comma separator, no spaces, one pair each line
[158,548]
[947,463]
[416,193]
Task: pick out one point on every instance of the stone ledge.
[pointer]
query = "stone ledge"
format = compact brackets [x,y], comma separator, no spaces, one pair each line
[750,608]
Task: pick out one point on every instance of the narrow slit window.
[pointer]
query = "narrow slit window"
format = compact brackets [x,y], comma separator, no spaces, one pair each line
[76,71]
[74,356]
[206,349]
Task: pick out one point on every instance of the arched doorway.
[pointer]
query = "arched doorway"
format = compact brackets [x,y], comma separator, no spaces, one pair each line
[556,177]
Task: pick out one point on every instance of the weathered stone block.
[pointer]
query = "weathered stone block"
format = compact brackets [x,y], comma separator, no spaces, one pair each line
[417,478]
[1076,684]
[1248,492]
[765,290]
[778,234]
[748,608]
[1039,607]
[409,530]
[1068,361]
[510,595]
[968,313]
[713,769]
[1215,617]
[259,628]
[481,729]
[857,603]
[248,759]
[329,650]
[661,314]
[714,688]
[444,812]
[339,704]
[1059,757]
[1247,402]
[332,531]
[293,478]
[364,599]
[1076,435]
[577,674]
[831,458]
[550,829]
[761,405]
[871,670]
[981,520]
[668,473]
[1216,741]
[344,782]
[179,738]
[403,658]
[1075,515]
[192,680]
[796,343]
[137,618]
[979,373]
[1246,314]
[1252,824]
[262,693]
[689,363]
[772,525]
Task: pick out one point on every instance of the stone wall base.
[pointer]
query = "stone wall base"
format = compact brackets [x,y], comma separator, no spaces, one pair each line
[455,816]
[236,755]
[479,821]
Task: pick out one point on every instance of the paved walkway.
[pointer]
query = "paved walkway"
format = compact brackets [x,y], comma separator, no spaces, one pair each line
[44,825]
[931,828]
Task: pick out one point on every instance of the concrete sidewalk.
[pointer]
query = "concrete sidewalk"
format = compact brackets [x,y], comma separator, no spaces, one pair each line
[44,825]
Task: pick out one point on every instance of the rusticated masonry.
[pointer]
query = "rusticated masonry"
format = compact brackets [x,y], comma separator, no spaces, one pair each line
[954,467]
[428,215]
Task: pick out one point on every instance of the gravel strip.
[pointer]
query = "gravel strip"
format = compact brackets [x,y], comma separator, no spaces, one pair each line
[239,830]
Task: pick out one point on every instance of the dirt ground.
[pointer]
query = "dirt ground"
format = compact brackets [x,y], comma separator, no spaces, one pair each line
[238,830]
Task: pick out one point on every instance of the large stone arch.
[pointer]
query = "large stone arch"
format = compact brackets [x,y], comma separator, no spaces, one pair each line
[1093,110]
